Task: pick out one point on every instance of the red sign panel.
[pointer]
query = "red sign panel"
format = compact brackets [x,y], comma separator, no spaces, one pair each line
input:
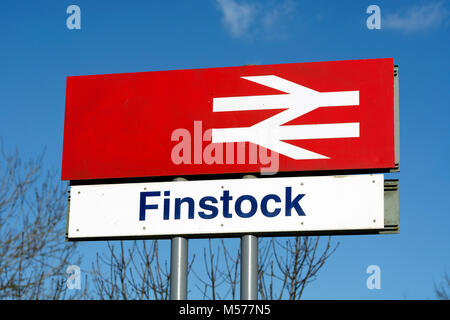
[287,117]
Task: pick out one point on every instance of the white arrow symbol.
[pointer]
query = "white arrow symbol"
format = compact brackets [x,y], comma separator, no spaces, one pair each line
[298,101]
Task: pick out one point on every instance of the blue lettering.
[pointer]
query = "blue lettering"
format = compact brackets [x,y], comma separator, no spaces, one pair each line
[264,201]
[238,209]
[209,207]
[144,205]
[205,206]
[226,203]
[179,202]
[293,204]
[166,215]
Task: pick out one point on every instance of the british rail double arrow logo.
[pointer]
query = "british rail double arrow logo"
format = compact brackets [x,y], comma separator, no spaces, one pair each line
[298,100]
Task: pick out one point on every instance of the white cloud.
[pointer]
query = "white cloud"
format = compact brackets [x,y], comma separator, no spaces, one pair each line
[242,18]
[275,15]
[237,18]
[416,18]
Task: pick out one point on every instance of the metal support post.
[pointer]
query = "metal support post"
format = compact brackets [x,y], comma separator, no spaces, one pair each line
[249,264]
[249,267]
[178,268]
[178,265]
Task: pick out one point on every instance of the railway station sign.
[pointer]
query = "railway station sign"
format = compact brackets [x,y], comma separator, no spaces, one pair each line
[297,117]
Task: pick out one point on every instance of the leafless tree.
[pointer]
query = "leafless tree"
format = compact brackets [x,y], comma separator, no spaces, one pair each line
[232,263]
[213,276]
[442,290]
[287,266]
[138,270]
[133,270]
[33,252]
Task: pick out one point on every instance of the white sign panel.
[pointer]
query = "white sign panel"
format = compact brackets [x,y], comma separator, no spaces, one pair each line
[234,206]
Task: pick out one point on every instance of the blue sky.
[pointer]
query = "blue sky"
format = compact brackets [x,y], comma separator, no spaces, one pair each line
[38,52]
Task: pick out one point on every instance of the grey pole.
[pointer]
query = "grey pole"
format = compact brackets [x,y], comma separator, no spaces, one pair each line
[178,265]
[249,264]
[178,268]
[249,267]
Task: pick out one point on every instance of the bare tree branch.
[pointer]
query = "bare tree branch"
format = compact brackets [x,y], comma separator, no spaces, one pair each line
[287,267]
[214,276]
[33,251]
[442,290]
[133,271]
